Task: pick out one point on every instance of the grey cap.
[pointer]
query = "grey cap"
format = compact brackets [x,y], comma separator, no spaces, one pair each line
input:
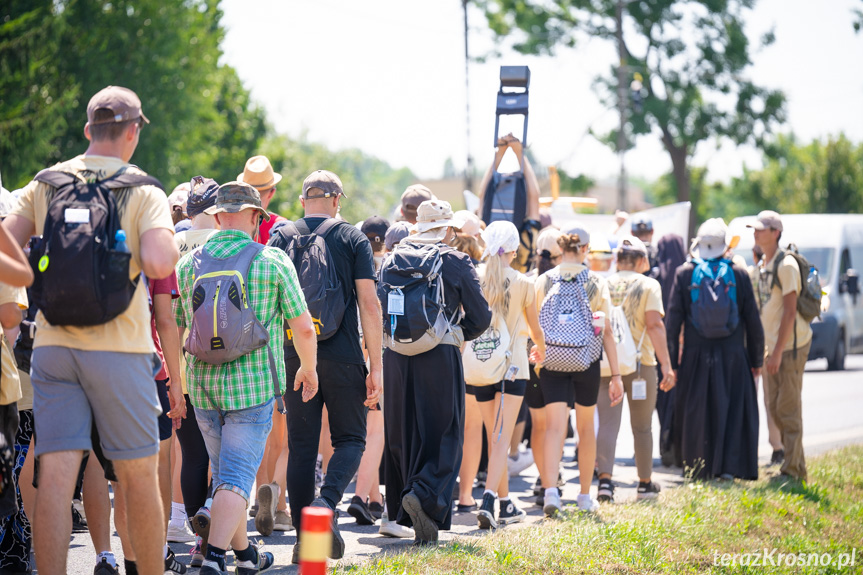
[576,230]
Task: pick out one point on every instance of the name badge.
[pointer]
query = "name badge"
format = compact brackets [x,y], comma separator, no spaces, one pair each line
[565,318]
[396,303]
[77,216]
[639,389]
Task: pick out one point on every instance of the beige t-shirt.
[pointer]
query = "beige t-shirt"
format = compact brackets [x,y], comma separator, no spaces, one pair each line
[141,209]
[638,294]
[770,302]
[186,241]
[18,296]
[519,295]
[596,287]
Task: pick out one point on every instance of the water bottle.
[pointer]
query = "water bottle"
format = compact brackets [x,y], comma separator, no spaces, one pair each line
[120,242]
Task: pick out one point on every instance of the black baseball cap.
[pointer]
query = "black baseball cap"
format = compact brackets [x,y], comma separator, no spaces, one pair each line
[375,228]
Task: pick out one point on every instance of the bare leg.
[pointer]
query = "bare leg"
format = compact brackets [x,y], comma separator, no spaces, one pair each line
[555,417]
[325,445]
[52,524]
[586,446]
[517,437]
[281,471]
[498,478]
[97,505]
[176,468]
[228,525]
[371,461]
[121,522]
[472,450]
[537,437]
[25,484]
[165,479]
[140,485]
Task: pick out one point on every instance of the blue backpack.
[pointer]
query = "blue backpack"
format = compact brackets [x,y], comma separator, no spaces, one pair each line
[713,292]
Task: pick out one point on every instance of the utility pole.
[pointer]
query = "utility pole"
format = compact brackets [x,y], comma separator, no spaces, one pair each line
[468,171]
[621,106]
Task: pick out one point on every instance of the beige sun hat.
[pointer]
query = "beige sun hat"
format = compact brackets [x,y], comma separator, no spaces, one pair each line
[259,174]
[434,214]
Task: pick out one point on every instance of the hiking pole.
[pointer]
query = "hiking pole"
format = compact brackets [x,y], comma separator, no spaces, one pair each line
[317,540]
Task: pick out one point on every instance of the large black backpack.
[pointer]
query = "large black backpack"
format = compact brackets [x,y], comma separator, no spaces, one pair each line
[505,199]
[316,272]
[80,279]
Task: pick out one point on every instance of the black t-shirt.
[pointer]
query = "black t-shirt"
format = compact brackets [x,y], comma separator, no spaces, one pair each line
[352,254]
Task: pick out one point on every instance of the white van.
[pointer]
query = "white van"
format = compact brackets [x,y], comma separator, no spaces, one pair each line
[832,243]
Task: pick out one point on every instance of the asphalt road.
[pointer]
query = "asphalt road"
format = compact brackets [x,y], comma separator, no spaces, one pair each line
[832,402]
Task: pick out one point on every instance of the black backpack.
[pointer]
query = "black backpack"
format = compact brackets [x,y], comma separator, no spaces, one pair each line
[316,272]
[79,278]
[505,199]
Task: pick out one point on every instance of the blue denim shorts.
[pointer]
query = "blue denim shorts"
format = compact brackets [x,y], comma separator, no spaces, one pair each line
[237,447]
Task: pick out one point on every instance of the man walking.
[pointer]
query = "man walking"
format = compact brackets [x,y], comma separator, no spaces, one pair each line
[234,400]
[259,174]
[347,389]
[788,337]
[103,373]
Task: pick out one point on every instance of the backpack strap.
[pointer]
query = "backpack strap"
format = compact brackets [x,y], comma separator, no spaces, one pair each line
[55,179]
[127,180]
[326,226]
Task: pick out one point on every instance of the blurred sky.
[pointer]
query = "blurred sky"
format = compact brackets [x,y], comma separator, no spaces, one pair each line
[387,76]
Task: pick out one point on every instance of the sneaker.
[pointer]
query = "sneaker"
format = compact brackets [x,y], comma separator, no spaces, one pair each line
[253,510]
[268,498]
[172,565]
[201,525]
[552,505]
[265,561]
[778,457]
[79,505]
[211,568]
[376,509]
[426,529]
[537,487]
[509,513]
[338,550]
[196,553]
[392,529]
[605,493]
[105,568]
[560,481]
[587,503]
[520,462]
[319,474]
[282,521]
[360,511]
[649,490]
[179,532]
[485,515]
[480,479]
[79,524]
[295,556]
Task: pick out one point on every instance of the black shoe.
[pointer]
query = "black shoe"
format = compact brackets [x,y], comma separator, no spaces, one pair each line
[485,515]
[79,524]
[605,493]
[172,565]
[425,528]
[649,490]
[537,487]
[480,479]
[778,457]
[376,509]
[338,550]
[104,568]
[360,511]
[509,513]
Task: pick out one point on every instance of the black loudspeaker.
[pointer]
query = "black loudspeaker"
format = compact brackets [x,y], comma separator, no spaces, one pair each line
[514,100]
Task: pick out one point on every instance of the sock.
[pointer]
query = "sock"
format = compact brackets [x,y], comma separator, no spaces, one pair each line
[215,555]
[208,503]
[493,493]
[248,554]
[178,512]
[551,492]
[107,556]
[129,567]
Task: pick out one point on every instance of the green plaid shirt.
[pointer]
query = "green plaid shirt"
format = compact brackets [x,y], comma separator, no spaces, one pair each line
[275,295]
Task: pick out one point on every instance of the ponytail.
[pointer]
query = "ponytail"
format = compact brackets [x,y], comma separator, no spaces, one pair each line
[493,281]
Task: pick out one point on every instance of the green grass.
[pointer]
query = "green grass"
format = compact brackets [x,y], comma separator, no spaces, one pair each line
[681,532]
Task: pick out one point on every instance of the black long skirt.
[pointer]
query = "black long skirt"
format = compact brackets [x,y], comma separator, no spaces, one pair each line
[424,430]
[717,412]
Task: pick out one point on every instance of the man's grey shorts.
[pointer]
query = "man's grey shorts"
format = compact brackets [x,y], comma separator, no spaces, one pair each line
[72,388]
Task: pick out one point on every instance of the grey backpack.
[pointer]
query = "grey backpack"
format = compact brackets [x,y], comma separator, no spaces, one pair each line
[224,326]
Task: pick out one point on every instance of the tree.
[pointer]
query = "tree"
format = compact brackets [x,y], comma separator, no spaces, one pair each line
[692,56]
[34,97]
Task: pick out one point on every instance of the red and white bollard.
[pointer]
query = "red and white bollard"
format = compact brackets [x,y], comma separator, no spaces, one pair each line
[316,540]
